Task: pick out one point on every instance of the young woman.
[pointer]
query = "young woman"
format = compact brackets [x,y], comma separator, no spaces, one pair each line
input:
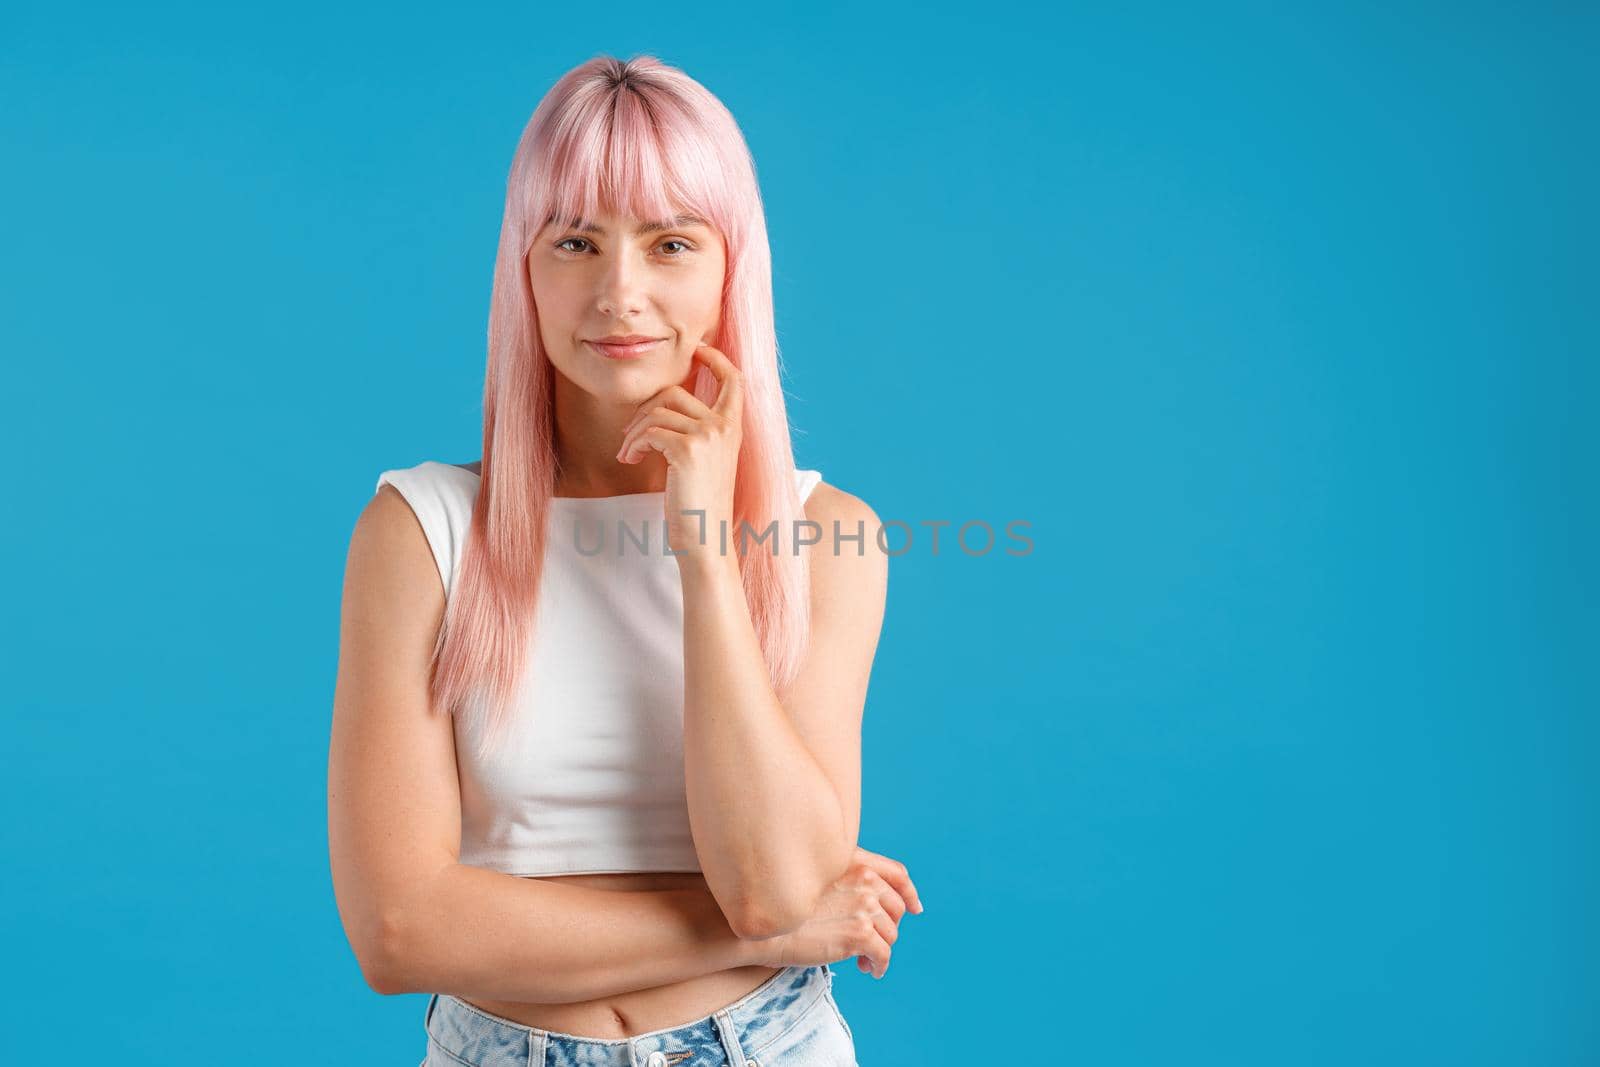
[594,776]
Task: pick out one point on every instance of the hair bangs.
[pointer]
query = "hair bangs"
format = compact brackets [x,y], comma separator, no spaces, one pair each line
[624,155]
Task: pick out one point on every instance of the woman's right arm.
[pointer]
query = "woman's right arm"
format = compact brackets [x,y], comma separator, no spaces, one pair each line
[417,919]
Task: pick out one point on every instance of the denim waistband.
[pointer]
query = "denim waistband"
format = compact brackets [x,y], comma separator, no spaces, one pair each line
[728,1035]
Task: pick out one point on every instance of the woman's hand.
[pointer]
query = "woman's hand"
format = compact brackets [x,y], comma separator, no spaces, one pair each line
[859,915]
[701,445]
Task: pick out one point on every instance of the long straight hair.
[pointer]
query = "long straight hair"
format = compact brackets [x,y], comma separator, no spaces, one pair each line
[644,140]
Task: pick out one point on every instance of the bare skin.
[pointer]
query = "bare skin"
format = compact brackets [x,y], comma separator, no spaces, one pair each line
[644,1010]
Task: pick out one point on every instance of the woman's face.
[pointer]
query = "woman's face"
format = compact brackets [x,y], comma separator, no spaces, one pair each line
[618,277]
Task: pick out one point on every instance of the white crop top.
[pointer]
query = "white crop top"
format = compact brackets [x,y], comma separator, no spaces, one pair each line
[590,777]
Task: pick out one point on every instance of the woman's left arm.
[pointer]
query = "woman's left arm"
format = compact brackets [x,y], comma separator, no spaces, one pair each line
[774,785]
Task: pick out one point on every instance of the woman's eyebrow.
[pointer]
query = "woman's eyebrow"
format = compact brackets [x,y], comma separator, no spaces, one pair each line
[584,226]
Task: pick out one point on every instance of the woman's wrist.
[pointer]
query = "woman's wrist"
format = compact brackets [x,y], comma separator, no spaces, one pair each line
[708,564]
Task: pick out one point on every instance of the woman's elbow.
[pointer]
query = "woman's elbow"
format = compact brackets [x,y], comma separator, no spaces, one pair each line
[382,957]
[771,917]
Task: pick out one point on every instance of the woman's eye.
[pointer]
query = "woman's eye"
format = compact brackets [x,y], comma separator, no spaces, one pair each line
[562,244]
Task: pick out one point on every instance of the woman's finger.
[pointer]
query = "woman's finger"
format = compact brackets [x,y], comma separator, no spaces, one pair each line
[730,397]
[894,872]
[877,956]
[672,420]
[673,397]
[668,442]
[887,928]
[893,900]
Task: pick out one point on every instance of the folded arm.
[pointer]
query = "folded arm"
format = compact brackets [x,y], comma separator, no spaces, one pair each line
[417,919]
[479,933]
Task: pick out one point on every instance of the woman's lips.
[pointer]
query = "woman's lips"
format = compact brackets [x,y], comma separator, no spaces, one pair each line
[633,351]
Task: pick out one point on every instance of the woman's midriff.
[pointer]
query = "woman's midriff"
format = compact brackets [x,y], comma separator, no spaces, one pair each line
[645,1010]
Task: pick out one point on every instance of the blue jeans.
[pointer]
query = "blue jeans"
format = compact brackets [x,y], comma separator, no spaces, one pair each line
[790,1020]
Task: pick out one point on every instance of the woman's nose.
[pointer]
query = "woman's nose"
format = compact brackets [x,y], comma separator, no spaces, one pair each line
[621,291]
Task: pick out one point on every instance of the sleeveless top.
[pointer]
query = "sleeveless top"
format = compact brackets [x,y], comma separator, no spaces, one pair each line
[589,778]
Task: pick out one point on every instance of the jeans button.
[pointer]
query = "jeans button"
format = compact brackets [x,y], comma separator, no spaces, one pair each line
[657,1059]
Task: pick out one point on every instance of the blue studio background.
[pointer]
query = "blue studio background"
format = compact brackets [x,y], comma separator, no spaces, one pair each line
[1277,326]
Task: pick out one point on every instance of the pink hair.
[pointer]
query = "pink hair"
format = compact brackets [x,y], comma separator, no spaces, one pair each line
[638,139]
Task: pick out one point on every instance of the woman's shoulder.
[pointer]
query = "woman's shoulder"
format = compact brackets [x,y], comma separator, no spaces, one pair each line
[826,503]
[434,484]
[440,495]
[849,562]
[434,471]
[848,554]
